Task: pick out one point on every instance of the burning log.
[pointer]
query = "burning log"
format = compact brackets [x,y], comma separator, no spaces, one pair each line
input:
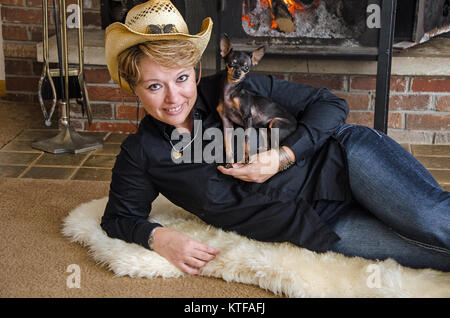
[282,18]
[283,13]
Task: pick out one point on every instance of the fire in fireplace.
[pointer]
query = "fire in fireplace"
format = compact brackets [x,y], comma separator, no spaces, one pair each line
[305,27]
[304,18]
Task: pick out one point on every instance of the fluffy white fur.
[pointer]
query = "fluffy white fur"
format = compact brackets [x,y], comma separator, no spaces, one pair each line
[280,268]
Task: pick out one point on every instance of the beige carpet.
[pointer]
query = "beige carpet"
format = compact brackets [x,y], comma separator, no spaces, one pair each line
[34,255]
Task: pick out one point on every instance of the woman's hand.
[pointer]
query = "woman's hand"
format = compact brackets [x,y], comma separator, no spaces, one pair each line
[261,167]
[183,252]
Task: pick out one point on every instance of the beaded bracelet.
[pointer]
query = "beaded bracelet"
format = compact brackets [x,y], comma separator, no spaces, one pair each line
[285,160]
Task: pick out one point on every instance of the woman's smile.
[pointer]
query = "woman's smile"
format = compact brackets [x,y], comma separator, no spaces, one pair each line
[174,110]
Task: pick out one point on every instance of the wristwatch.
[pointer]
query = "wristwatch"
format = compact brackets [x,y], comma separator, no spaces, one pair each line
[151,239]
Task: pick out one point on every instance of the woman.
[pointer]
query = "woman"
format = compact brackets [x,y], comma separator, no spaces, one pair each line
[352,189]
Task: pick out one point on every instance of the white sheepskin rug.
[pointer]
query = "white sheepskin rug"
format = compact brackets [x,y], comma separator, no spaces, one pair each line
[281,268]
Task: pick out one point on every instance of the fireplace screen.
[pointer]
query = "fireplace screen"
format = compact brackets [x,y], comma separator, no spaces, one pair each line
[350,29]
[329,27]
[304,27]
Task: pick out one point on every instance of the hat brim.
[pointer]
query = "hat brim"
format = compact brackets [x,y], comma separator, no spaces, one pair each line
[119,37]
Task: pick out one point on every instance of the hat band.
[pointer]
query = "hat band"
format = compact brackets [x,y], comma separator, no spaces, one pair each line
[161,28]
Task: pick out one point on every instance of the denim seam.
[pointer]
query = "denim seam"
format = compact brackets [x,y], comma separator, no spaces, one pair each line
[425,245]
[345,128]
[379,134]
[376,132]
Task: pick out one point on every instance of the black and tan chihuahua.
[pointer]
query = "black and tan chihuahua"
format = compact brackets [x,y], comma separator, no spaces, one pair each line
[245,108]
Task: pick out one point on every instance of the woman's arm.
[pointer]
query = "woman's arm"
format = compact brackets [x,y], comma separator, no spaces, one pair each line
[130,197]
[319,113]
[126,214]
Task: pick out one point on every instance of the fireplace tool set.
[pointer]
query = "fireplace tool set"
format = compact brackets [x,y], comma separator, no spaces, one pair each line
[62,84]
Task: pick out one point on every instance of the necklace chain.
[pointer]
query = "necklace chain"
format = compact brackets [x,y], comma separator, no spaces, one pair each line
[182,149]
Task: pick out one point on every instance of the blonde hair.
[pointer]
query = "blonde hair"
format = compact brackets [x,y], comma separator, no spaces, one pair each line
[167,53]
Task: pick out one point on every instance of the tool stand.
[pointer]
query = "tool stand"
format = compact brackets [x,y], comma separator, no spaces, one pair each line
[67,140]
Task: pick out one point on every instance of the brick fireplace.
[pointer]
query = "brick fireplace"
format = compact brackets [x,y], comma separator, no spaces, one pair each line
[419,95]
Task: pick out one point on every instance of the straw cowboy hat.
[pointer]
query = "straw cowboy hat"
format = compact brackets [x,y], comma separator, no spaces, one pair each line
[153,20]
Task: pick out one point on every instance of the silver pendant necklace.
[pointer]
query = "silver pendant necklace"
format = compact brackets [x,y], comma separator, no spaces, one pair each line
[176,154]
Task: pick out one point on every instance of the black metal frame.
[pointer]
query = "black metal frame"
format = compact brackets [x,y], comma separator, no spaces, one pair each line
[383,58]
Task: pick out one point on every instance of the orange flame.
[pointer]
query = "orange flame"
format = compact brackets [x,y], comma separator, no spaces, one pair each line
[246,18]
[292,6]
[274,24]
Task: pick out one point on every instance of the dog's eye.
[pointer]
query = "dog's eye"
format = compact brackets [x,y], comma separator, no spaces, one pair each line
[232,63]
[245,68]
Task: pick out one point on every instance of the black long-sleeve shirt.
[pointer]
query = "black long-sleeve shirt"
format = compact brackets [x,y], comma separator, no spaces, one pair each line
[283,208]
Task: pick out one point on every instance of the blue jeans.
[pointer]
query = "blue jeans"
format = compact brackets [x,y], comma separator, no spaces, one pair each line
[400,211]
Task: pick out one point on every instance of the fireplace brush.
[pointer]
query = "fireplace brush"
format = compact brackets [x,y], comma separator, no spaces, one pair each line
[59,85]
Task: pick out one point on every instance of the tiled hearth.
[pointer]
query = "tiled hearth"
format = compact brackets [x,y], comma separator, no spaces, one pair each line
[19,160]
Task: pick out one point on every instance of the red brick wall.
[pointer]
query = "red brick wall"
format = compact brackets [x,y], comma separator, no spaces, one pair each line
[419,106]
[22,30]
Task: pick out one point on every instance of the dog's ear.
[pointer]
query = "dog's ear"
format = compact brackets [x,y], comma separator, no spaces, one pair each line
[257,55]
[225,45]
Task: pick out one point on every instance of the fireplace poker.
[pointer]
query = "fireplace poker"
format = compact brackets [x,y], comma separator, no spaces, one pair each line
[46,81]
